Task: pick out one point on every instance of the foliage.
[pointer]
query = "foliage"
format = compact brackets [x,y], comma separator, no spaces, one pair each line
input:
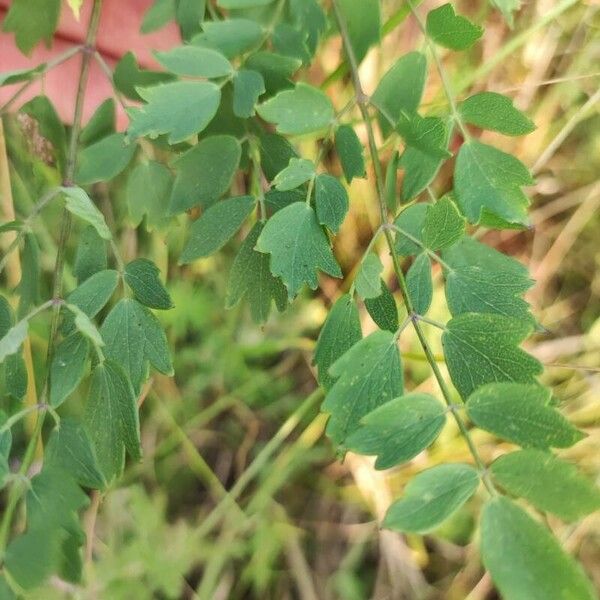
[230,111]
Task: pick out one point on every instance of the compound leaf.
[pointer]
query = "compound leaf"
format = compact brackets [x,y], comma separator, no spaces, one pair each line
[368,278]
[431,497]
[80,204]
[420,284]
[205,172]
[450,30]
[68,367]
[398,430]
[216,226]
[483,280]
[111,417]
[383,309]
[104,159]
[91,254]
[195,61]
[298,171]
[179,108]
[521,414]
[350,151]
[331,201]
[298,247]
[143,277]
[32,21]
[231,36]
[488,184]
[443,225]
[543,479]
[363,20]
[251,277]
[248,86]
[128,77]
[490,110]
[304,109]
[482,348]
[524,559]
[339,333]
[149,188]
[368,375]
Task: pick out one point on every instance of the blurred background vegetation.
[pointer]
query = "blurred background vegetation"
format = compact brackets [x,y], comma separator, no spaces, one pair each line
[242,415]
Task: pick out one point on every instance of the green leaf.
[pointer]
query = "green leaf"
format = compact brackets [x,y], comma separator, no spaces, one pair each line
[189,14]
[128,77]
[299,171]
[276,200]
[363,21]
[101,124]
[31,269]
[488,181]
[149,189]
[19,76]
[507,8]
[483,280]
[298,247]
[496,112]
[251,278]
[443,225]
[304,109]
[180,109]
[426,134]
[290,41]
[32,21]
[216,227]
[91,254]
[80,204]
[111,418]
[411,220]
[482,349]
[92,295]
[242,3]
[231,36]
[368,278]
[6,592]
[398,430]
[331,201]
[70,449]
[275,154]
[158,15]
[195,61]
[13,339]
[50,127]
[400,89]
[383,309]
[133,338]
[275,69]
[33,556]
[104,160]
[85,325]
[350,151]
[420,284]
[68,367]
[450,30]
[248,86]
[524,559]
[542,479]
[367,376]
[310,18]
[339,333]
[521,414]
[143,277]
[419,167]
[16,378]
[431,497]
[205,172]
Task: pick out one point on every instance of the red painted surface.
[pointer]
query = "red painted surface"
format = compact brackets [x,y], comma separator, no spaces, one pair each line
[119,33]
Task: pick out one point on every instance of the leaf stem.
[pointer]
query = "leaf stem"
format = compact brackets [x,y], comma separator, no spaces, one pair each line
[421,245]
[363,102]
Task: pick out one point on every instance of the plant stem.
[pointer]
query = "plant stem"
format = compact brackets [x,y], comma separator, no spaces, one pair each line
[15,492]
[363,102]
